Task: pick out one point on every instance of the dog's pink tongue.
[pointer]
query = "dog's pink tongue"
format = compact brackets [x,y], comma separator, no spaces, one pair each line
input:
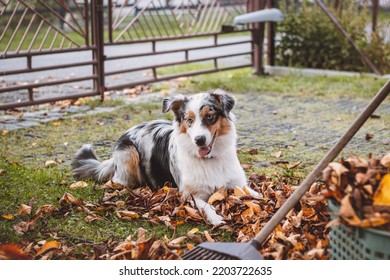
[204,151]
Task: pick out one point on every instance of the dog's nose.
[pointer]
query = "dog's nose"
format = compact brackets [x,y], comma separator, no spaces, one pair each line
[200,140]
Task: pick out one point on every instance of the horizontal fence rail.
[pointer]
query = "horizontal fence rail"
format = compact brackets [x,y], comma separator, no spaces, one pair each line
[175,22]
[67,49]
[211,59]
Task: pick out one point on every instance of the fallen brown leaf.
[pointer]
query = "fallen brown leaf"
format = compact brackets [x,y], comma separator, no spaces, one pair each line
[246,166]
[277,154]
[4,132]
[127,215]
[369,136]
[68,198]
[294,165]
[363,190]
[193,213]
[385,160]
[23,227]
[253,205]
[338,168]
[50,163]
[217,196]
[244,215]
[24,209]
[78,185]
[208,236]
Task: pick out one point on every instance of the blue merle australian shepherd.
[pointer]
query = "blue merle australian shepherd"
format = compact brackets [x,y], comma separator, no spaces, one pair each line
[196,152]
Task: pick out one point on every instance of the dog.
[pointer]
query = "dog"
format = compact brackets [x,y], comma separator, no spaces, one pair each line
[196,151]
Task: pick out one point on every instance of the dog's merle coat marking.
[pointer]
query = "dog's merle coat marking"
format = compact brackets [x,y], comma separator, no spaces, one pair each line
[160,159]
[196,152]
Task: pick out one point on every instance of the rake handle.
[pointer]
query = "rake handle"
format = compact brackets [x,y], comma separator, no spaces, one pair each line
[316,172]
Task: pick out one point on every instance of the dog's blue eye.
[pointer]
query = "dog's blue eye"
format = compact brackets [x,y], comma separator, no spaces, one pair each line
[210,117]
[190,121]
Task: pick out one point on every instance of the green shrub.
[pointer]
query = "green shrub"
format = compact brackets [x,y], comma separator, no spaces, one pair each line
[378,51]
[307,38]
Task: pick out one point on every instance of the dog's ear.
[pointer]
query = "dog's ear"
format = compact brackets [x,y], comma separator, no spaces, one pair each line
[226,100]
[173,103]
[176,104]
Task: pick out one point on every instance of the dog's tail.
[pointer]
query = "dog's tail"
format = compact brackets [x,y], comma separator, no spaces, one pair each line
[86,166]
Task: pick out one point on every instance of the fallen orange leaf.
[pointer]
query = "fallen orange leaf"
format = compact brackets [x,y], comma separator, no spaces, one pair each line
[217,196]
[382,195]
[8,217]
[48,246]
[4,132]
[247,215]
[254,206]
[239,192]
[12,252]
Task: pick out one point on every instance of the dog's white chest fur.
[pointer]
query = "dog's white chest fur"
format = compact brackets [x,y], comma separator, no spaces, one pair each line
[221,169]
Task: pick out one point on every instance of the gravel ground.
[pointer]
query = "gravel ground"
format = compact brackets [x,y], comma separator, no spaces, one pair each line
[304,128]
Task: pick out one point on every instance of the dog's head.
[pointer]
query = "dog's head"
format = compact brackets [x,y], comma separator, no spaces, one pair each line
[203,117]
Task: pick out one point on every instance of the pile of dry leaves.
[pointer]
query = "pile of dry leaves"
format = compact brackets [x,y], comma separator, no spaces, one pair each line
[302,235]
[362,189]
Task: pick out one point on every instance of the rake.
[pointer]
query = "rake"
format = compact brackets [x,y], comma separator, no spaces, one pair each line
[249,251]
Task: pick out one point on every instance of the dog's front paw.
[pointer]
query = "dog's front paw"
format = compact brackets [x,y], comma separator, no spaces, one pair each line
[253,193]
[215,219]
[209,212]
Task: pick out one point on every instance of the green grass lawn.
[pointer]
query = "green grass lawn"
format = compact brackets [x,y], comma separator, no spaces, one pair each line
[242,80]
[24,152]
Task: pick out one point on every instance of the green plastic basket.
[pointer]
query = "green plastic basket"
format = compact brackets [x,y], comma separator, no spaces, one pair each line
[350,243]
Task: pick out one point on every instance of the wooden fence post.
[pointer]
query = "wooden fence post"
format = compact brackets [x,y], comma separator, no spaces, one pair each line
[375,5]
[257,38]
[97,17]
[271,36]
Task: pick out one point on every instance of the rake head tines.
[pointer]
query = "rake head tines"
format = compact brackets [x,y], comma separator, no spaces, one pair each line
[223,251]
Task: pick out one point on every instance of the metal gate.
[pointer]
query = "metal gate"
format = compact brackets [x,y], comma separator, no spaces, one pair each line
[67,49]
